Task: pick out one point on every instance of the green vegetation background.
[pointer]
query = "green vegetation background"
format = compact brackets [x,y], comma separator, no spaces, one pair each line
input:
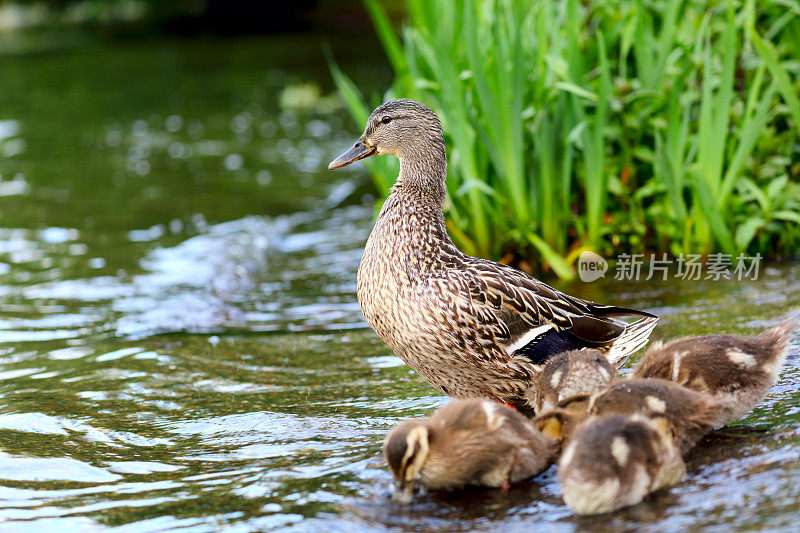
[613,125]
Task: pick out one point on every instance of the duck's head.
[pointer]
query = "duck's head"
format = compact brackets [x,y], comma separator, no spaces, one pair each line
[406,450]
[403,128]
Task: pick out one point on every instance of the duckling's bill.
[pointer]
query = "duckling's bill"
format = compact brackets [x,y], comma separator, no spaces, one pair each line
[403,492]
[359,150]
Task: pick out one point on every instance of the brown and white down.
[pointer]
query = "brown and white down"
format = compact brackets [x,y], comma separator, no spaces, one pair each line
[466,442]
[615,461]
[737,368]
[567,377]
[691,414]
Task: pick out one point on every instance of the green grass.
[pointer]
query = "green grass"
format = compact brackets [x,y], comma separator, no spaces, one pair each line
[616,125]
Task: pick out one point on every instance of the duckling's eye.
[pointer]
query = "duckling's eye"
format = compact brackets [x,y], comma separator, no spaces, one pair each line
[410,460]
[387,119]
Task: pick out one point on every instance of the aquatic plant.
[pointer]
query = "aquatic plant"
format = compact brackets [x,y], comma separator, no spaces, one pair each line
[612,126]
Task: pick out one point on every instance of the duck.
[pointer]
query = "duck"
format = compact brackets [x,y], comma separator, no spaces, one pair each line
[467,442]
[691,414]
[569,379]
[737,368]
[616,461]
[470,327]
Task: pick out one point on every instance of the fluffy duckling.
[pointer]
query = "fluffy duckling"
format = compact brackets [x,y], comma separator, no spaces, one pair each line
[615,461]
[466,442]
[691,414]
[741,369]
[570,375]
[561,423]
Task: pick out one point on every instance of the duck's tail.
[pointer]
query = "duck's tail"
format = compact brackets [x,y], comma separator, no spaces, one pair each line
[778,339]
[634,337]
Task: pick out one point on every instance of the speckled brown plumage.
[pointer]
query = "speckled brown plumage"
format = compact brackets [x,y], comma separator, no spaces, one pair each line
[468,326]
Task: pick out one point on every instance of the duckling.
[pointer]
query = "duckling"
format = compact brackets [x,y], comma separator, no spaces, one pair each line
[561,423]
[615,461]
[692,414]
[741,369]
[569,375]
[466,442]
[472,328]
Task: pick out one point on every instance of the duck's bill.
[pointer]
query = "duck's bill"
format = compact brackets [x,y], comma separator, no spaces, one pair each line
[359,150]
[403,492]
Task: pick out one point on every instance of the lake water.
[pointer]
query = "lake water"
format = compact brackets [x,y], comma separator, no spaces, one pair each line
[180,343]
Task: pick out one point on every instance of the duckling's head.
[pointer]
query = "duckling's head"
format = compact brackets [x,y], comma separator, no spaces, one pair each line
[406,450]
[403,128]
[570,375]
[560,424]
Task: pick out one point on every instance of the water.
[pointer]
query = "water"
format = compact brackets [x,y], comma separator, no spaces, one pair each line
[180,345]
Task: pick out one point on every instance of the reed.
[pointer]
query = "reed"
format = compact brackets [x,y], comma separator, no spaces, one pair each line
[614,126]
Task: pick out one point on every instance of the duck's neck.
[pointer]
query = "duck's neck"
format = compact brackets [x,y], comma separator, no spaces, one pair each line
[422,175]
[419,197]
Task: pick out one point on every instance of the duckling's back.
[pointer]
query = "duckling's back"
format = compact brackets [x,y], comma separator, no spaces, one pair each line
[615,461]
[738,368]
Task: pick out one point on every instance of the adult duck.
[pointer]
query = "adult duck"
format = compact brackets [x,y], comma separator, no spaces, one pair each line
[470,327]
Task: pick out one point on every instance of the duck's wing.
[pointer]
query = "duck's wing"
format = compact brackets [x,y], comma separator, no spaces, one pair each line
[536,321]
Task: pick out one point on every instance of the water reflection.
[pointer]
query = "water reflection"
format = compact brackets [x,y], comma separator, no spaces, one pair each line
[254,273]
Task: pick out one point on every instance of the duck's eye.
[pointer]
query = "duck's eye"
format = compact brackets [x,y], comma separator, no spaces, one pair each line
[387,119]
